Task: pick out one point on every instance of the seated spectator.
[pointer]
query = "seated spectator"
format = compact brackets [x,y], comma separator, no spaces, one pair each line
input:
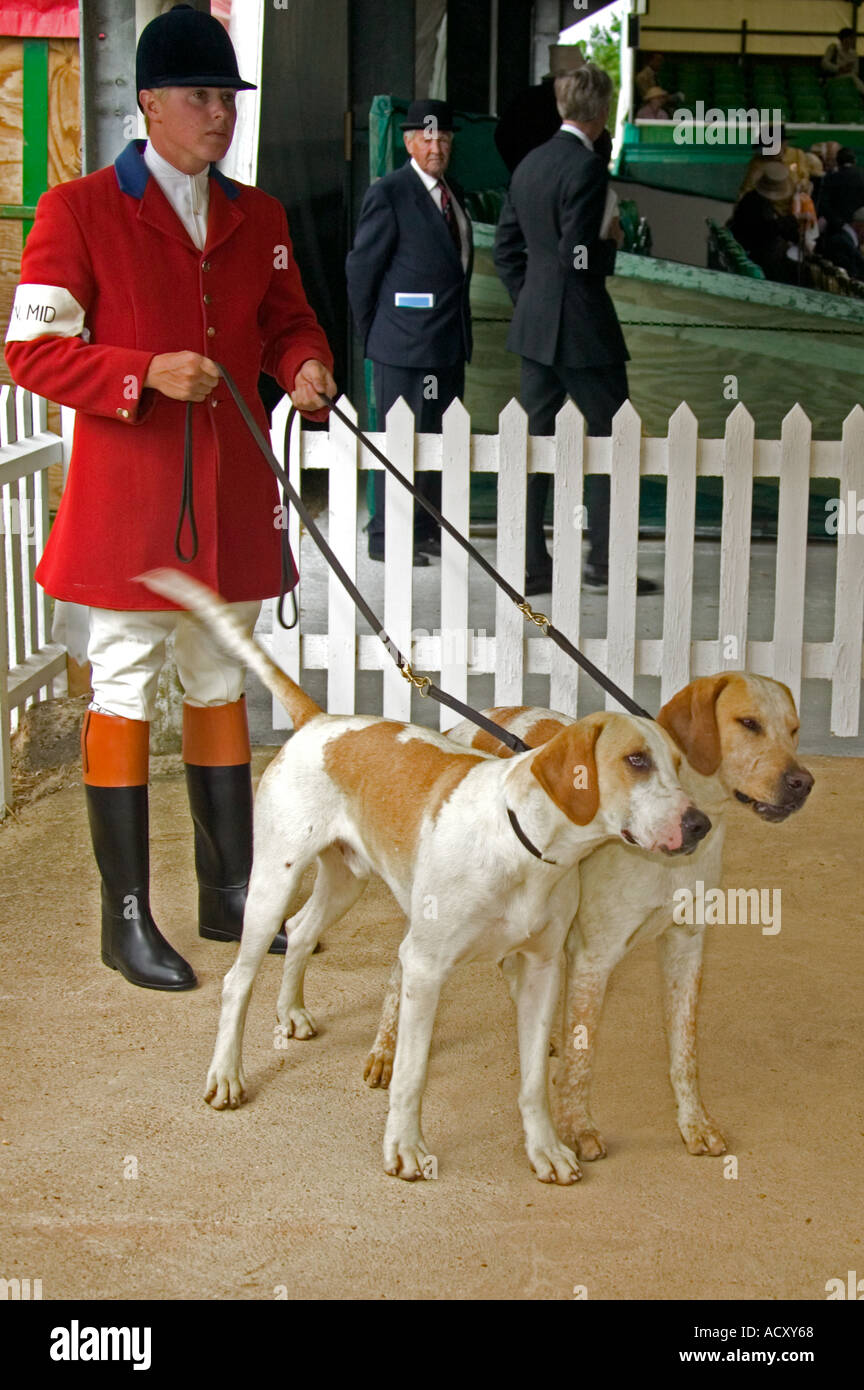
[841,58]
[843,246]
[842,192]
[827,151]
[764,225]
[654,108]
[647,78]
[794,159]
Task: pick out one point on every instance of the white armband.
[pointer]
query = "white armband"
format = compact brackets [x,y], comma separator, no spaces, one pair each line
[44,309]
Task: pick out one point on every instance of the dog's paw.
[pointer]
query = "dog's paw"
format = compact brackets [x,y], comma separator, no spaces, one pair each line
[409,1160]
[379,1067]
[298,1024]
[225,1090]
[589,1145]
[703,1137]
[554,1162]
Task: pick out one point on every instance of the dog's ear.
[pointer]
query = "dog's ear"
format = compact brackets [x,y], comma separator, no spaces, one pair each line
[566,769]
[691,718]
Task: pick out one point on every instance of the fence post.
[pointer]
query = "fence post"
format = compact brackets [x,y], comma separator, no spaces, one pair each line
[849,595]
[568,533]
[342,536]
[682,445]
[399,549]
[623,547]
[735,538]
[455,505]
[513,445]
[792,517]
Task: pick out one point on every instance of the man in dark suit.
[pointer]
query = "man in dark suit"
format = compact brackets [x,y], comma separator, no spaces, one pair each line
[553,261]
[408,277]
[842,191]
[843,247]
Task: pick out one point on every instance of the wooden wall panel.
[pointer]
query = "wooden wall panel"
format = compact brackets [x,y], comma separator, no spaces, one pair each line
[64,111]
[11,119]
[64,147]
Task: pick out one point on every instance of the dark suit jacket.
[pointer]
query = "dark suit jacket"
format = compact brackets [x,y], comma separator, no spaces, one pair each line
[556,202]
[841,194]
[838,249]
[402,245]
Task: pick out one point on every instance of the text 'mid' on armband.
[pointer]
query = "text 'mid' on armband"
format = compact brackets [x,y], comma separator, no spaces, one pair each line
[44,309]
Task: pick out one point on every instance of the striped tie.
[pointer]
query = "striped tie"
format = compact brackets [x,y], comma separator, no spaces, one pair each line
[450,216]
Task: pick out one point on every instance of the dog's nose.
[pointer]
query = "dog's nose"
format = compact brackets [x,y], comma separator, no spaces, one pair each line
[694,826]
[797,783]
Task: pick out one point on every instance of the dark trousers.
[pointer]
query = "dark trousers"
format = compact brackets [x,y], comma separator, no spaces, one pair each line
[599,392]
[428,391]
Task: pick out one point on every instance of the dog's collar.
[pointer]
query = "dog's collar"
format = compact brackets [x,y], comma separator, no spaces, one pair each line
[520,835]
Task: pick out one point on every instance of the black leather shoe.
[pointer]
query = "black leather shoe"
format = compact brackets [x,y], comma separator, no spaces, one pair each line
[431,546]
[220,799]
[596,578]
[131,941]
[419,558]
[540,583]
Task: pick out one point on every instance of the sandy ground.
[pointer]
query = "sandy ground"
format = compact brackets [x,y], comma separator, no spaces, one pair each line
[288,1195]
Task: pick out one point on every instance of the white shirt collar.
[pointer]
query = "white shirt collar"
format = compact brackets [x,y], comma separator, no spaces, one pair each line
[188,194]
[580,135]
[430,180]
[163,169]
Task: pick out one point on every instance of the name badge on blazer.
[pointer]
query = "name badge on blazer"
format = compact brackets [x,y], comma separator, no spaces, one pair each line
[414,301]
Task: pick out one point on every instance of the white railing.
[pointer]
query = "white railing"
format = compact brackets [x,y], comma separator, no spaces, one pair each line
[29,662]
[515,651]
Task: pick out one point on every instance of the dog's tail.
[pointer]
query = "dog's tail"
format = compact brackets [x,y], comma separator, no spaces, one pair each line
[214,611]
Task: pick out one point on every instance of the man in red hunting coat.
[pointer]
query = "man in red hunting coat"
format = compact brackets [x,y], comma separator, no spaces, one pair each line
[135,282]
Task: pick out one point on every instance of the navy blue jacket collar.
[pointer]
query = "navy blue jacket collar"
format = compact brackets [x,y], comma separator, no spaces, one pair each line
[132,172]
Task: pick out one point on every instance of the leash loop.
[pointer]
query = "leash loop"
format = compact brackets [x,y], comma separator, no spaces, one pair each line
[187,500]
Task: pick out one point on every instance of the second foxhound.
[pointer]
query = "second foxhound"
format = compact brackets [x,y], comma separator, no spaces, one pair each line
[739,733]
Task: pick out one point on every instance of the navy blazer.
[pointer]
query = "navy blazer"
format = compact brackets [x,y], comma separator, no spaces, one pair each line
[403,246]
[563,312]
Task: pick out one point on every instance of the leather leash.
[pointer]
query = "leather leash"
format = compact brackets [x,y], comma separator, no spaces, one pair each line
[423,684]
[546,626]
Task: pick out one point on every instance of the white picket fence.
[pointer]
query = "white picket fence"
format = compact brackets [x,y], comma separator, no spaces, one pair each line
[29,662]
[516,649]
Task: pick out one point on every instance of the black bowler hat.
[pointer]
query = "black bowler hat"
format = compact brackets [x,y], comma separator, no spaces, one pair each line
[429,114]
[186,48]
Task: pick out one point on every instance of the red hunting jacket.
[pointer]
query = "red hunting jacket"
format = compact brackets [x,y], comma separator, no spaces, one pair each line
[109,278]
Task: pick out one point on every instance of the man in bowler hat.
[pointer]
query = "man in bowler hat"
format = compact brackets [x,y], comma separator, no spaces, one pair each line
[408,276]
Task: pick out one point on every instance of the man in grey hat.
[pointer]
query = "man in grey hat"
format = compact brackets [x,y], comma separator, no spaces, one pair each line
[532,117]
[408,275]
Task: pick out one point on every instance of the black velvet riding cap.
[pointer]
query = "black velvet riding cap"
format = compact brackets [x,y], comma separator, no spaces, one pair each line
[186,48]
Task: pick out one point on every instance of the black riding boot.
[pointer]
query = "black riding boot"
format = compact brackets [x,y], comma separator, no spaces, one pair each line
[220,799]
[131,941]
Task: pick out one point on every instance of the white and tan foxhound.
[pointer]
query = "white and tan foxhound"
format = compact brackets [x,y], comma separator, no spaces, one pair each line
[478,852]
[739,733]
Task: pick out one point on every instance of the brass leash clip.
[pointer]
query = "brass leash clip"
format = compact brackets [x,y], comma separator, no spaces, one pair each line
[539,618]
[420,683]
